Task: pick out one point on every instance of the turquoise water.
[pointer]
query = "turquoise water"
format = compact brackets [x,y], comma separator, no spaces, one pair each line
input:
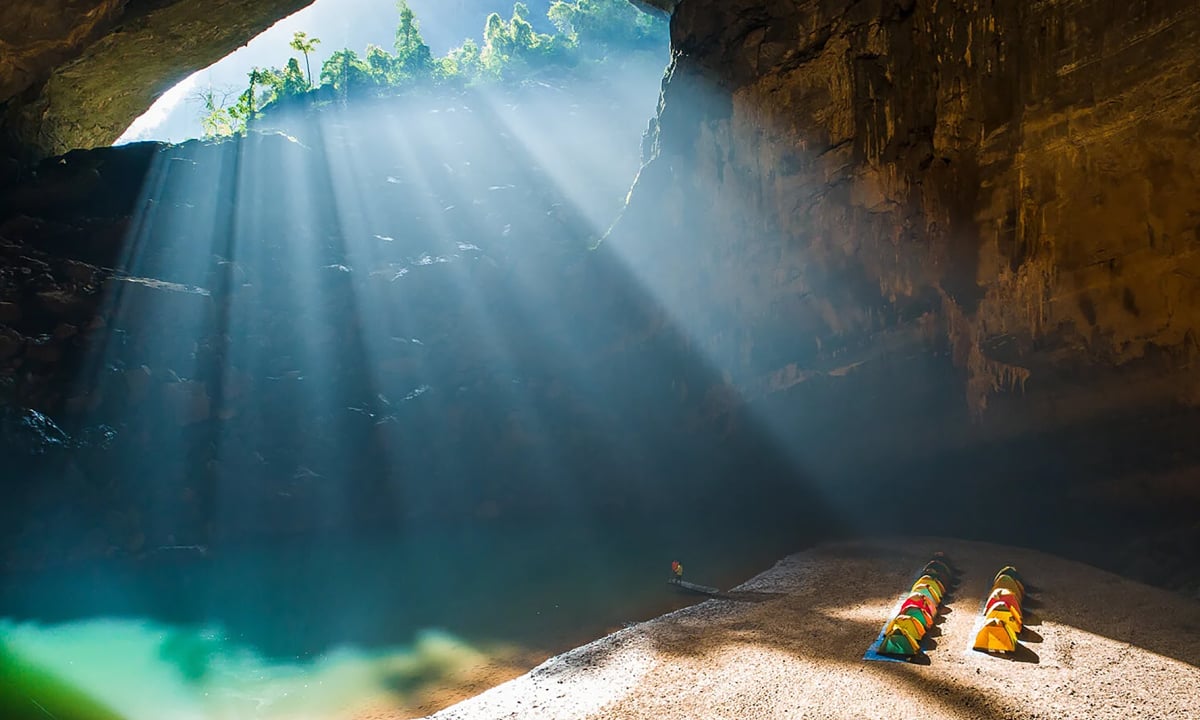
[139,668]
[343,627]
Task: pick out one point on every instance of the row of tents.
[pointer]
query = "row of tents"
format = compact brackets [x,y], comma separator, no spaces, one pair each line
[1001,621]
[903,634]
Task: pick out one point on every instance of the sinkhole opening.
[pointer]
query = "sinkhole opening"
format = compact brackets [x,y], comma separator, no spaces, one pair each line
[334,50]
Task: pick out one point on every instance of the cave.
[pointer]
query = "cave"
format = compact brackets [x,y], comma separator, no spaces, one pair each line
[404,395]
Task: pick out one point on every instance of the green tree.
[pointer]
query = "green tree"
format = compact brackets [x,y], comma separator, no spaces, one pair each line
[497,44]
[302,43]
[381,64]
[600,24]
[344,71]
[413,58]
[242,111]
[270,85]
[259,78]
[292,82]
[524,39]
[467,60]
[561,14]
[513,47]
[217,118]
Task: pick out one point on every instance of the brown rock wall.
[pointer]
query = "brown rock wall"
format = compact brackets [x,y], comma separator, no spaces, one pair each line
[1016,181]
[75,73]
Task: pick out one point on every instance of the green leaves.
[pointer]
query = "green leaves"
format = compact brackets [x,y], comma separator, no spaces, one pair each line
[345,70]
[598,25]
[413,58]
[302,43]
[465,61]
[219,119]
[512,50]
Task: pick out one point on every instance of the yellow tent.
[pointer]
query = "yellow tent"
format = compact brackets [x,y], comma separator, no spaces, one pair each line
[910,625]
[1011,572]
[941,586]
[1010,615]
[995,636]
[933,590]
[1008,582]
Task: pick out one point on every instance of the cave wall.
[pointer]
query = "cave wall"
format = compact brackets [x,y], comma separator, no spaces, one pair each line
[76,73]
[946,242]
[1009,186]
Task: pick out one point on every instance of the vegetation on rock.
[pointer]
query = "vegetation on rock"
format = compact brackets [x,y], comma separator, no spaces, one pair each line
[587,33]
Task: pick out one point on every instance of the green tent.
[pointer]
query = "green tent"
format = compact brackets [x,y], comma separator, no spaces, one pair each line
[899,642]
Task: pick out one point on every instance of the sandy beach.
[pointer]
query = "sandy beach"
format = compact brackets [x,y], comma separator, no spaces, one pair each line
[789,644]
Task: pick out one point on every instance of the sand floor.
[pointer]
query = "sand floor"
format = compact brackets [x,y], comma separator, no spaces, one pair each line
[790,645]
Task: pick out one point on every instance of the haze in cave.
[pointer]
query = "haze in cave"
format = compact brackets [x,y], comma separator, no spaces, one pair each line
[597,359]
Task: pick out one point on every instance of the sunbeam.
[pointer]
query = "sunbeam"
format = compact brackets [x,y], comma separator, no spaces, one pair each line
[458,329]
[367,376]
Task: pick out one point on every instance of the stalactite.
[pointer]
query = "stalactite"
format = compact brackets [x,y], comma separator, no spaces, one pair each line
[1020,300]
[985,376]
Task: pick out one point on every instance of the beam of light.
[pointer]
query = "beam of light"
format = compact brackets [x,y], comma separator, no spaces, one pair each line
[156,295]
[301,206]
[418,154]
[435,236]
[697,282]
[450,193]
[583,172]
[432,177]
[575,169]
[534,314]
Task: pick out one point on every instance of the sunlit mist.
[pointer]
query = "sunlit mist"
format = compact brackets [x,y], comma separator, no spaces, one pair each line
[351,318]
[347,354]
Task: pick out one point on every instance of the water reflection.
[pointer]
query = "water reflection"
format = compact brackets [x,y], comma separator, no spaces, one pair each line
[140,669]
[385,626]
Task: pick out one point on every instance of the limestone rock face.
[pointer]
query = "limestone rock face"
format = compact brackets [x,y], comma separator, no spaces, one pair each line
[1010,186]
[75,73]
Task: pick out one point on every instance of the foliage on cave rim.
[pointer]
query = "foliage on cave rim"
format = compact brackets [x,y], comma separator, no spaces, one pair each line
[512,51]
